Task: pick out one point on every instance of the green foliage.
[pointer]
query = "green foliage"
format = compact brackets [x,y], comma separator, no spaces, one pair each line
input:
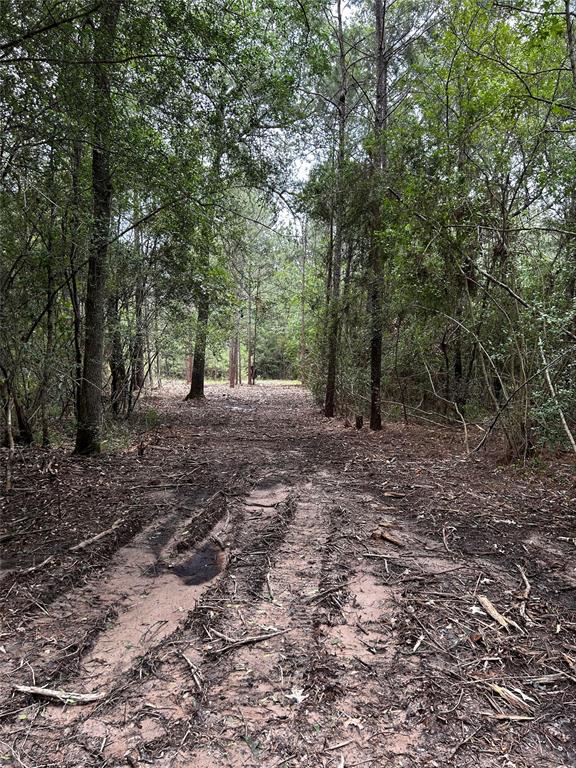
[213,105]
[475,214]
[200,96]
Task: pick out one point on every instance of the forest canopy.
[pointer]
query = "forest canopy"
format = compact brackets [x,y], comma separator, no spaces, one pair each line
[376,198]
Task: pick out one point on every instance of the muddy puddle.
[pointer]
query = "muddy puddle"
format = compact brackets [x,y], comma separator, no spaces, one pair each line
[157,606]
[203,566]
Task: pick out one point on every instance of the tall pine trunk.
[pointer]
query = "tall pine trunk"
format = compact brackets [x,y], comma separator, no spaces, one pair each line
[49,349]
[379,163]
[249,327]
[303,303]
[90,394]
[334,293]
[71,280]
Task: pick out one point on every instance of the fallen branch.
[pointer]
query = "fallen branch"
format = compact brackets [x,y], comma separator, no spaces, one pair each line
[496,615]
[504,716]
[381,533]
[524,595]
[196,674]
[92,539]
[267,505]
[40,565]
[323,593]
[376,556]
[512,698]
[249,641]
[66,697]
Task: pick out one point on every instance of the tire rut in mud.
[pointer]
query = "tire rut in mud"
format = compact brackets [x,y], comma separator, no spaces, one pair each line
[246,572]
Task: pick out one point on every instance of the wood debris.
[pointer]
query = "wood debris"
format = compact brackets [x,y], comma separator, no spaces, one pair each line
[496,615]
[504,716]
[513,699]
[97,537]
[383,533]
[247,641]
[66,697]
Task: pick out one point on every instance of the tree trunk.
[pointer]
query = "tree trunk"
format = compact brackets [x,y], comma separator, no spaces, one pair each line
[72,279]
[303,303]
[90,397]
[157,345]
[255,336]
[48,353]
[77,324]
[379,163]
[203,297]
[197,384]
[334,294]
[49,349]
[238,352]
[117,367]
[10,445]
[137,368]
[249,324]
[232,363]
[25,432]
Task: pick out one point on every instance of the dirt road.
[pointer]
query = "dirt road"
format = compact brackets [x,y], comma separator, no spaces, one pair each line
[274,589]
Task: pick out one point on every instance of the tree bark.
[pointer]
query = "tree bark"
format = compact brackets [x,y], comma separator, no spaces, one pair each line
[303,303]
[72,279]
[238,352]
[117,366]
[197,384]
[255,336]
[232,363]
[334,293]
[203,297]
[25,431]
[249,324]
[48,353]
[379,163]
[157,348]
[10,445]
[49,349]
[137,367]
[90,395]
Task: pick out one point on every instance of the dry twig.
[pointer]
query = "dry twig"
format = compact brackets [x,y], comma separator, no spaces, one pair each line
[93,539]
[66,697]
[248,641]
[496,615]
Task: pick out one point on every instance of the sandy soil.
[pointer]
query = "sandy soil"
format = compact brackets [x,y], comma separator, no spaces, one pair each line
[275,589]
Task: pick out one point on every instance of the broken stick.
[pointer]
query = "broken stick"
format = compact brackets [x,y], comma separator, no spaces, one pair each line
[248,641]
[496,615]
[92,539]
[66,697]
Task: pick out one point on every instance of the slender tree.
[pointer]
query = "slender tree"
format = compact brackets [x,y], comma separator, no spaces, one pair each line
[88,438]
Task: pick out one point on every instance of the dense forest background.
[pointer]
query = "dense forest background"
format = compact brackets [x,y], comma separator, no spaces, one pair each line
[375,197]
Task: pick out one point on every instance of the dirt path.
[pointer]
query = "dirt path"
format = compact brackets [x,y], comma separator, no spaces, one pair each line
[278,590]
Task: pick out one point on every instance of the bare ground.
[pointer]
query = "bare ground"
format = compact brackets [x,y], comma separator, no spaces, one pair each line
[274,589]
